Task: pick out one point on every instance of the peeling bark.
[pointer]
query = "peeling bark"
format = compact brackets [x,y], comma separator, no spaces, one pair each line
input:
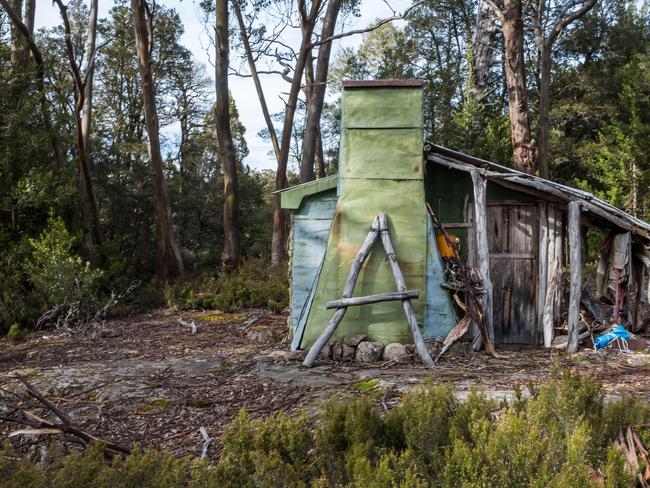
[231,250]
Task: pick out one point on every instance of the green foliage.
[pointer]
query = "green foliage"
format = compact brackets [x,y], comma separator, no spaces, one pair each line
[254,284]
[54,270]
[15,333]
[560,436]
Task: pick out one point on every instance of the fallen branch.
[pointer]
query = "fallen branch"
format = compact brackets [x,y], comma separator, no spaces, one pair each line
[37,425]
[456,333]
[474,308]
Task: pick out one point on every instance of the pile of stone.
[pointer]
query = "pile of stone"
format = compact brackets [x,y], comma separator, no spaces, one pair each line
[357,348]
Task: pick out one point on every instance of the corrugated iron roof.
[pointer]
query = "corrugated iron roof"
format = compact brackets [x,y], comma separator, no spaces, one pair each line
[535,184]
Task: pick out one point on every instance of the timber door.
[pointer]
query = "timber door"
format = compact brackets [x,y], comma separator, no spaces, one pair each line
[513,243]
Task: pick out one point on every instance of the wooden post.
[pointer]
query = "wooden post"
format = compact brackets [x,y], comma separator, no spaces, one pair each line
[355,269]
[482,253]
[575,262]
[543,262]
[420,346]
[553,272]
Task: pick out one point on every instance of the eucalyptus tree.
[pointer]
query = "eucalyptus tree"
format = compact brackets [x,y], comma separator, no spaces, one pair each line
[510,15]
[166,245]
[83,88]
[231,249]
[550,18]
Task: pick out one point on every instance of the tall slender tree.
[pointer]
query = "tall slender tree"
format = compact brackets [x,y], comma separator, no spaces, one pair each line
[27,31]
[165,239]
[311,138]
[549,20]
[511,17]
[83,80]
[231,248]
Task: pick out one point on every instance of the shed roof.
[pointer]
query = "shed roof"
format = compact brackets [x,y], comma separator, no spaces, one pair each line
[291,198]
[508,177]
[598,209]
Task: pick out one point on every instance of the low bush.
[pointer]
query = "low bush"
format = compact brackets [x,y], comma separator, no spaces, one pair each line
[255,284]
[561,435]
[15,333]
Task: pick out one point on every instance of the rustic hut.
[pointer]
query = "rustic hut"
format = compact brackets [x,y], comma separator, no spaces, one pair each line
[521,232]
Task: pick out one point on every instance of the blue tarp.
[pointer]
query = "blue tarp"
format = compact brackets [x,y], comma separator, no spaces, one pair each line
[617,332]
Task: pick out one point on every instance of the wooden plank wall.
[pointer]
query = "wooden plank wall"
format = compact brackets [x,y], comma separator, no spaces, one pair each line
[550,269]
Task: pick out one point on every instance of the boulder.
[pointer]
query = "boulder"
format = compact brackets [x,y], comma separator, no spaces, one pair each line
[369,352]
[262,334]
[395,352]
[342,352]
[279,355]
[326,352]
[353,341]
[298,355]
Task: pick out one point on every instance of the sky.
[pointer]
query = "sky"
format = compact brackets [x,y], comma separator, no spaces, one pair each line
[196,39]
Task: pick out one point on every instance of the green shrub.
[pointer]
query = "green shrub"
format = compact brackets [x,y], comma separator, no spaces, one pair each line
[255,284]
[54,270]
[560,436]
[15,333]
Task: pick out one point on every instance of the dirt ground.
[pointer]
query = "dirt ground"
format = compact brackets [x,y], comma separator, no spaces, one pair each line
[149,380]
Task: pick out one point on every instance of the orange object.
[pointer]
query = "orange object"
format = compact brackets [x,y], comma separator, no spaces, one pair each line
[445,249]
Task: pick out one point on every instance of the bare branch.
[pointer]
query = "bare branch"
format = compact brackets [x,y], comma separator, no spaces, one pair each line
[564,21]
[367,29]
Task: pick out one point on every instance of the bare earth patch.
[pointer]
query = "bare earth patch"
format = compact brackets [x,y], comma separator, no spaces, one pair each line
[149,380]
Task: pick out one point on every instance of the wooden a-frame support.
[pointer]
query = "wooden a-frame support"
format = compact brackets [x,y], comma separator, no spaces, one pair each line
[379,228]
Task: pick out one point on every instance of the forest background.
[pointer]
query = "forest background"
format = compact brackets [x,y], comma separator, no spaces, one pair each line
[101,211]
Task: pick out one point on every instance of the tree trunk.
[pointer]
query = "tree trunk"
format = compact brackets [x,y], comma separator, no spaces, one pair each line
[545,38]
[165,241]
[90,72]
[256,80]
[310,141]
[82,84]
[278,240]
[18,24]
[483,44]
[544,110]
[319,160]
[231,249]
[523,152]
[17,40]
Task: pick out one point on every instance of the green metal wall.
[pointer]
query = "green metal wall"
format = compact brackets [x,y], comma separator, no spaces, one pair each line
[380,170]
[311,226]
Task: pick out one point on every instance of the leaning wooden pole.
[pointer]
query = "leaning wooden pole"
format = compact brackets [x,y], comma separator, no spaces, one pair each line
[334,322]
[575,261]
[473,307]
[483,254]
[420,346]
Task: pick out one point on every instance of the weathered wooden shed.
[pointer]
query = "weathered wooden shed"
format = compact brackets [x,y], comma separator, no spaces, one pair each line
[520,231]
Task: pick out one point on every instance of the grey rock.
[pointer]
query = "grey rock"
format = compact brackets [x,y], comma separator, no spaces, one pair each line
[353,341]
[262,334]
[279,355]
[342,352]
[326,352]
[369,352]
[395,352]
[298,355]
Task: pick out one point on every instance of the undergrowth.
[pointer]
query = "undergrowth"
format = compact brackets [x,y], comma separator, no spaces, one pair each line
[255,284]
[560,436]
